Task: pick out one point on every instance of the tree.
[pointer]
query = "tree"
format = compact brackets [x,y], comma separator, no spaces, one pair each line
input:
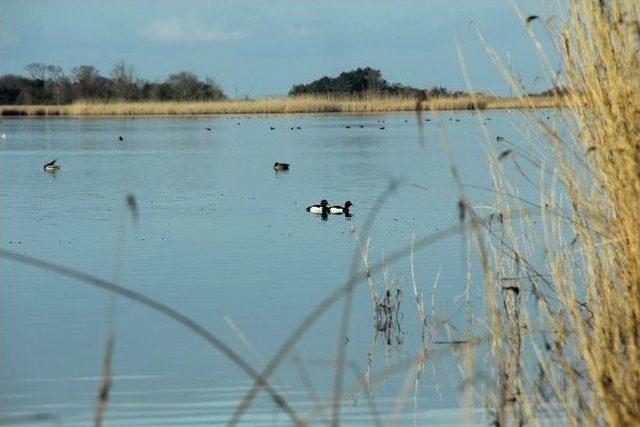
[123,81]
[37,70]
[186,86]
[48,83]
[58,84]
[365,80]
[183,85]
[356,81]
[88,83]
[214,91]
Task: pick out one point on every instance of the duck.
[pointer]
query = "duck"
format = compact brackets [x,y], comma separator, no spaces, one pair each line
[322,208]
[120,138]
[336,209]
[3,136]
[281,166]
[51,166]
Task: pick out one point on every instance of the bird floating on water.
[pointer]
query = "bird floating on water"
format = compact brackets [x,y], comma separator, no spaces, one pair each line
[51,166]
[281,166]
[339,210]
[120,138]
[322,208]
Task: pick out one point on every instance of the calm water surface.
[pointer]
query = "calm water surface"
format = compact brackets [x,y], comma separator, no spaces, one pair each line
[224,239]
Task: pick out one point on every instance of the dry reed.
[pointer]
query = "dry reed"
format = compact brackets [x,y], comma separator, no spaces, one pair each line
[274,105]
[586,368]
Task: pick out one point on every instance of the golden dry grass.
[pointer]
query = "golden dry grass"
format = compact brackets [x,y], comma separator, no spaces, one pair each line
[577,274]
[301,104]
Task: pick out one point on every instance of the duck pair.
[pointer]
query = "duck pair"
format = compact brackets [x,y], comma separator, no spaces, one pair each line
[323,208]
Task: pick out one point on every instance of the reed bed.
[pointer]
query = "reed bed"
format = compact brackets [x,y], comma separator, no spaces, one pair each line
[575,275]
[276,105]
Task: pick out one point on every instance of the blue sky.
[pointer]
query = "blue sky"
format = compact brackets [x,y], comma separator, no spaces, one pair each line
[264,47]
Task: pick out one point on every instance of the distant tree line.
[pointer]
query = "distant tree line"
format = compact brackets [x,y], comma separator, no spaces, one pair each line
[559,91]
[363,81]
[49,84]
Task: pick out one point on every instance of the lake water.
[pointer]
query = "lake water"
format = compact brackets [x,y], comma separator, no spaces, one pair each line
[226,240]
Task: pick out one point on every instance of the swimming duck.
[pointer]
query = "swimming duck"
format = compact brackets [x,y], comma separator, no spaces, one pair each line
[281,166]
[120,138]
[51,166]
[336,209]
[322,208]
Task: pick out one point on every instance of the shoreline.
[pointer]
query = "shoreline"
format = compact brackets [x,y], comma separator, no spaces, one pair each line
[283,105]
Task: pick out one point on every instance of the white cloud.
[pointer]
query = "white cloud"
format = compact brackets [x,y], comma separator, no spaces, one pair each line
[179,30]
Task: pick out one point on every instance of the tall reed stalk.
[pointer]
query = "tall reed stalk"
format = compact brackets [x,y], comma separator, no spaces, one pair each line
[579,270]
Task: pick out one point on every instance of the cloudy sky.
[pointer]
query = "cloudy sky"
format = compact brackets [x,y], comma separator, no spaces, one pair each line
[264,47]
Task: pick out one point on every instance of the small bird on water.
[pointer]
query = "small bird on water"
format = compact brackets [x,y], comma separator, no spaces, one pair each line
[322,208]
[281,166]
[120,138]
[337,209]
[51,166]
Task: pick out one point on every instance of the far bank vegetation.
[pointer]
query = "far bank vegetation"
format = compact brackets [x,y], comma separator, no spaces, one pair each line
[49,91]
